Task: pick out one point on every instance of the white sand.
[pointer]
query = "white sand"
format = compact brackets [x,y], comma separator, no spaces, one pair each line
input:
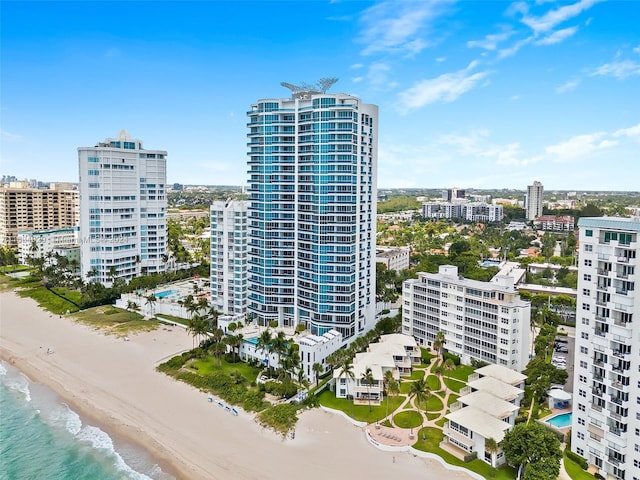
[114,382]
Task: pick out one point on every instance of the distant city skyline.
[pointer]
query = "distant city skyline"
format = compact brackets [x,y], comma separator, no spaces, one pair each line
[483,95]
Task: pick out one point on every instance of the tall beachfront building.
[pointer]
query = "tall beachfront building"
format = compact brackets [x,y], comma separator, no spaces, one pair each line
[312,214]
[606,408]
[123,207]
[535,194]
[229,256]
[486,321]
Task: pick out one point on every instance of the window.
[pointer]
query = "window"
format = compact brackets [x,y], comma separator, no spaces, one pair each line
[581,421]
[586,306]
[584,335]
[585,321]
[582,378]
[581,435]
[583,364]
[588,263]
[584,350]
[587,277]
[586,292]
[588,248]
[588,233]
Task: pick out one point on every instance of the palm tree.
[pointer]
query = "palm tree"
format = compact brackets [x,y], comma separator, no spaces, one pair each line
[279,345]
[439,342]
[448,367]
[213,316]
[346,371]
[368,380]
[131,307]
[388,378]
[151,301]
[421,392]
[203,305]
[264,342]
[218,349]
[492,447]
[317,370]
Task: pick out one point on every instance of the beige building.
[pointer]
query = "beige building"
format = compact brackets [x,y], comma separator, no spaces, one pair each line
[33,209]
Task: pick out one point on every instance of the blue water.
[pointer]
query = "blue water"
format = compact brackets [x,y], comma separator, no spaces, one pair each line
[42,438]
[166,293]
[491,263]
[252,340]
[560,421]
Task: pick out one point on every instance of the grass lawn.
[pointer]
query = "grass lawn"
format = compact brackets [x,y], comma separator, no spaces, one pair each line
[115,320]
[405,387]
[434,404]
[386,423]
[56,300]
[361,413]
[452,399]
[211,364]
[415,375]
[432,444]
[172,318]
[408,419]
[574,470]
[434,382]
[441,422]
[461,372]
[453,385]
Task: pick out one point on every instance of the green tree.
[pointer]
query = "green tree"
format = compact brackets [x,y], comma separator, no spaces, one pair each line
[492,448]
[368,380]
[151,301]
[421,392]
[448,367]
[438,343]
[535,449]
[346,371]
[317,370]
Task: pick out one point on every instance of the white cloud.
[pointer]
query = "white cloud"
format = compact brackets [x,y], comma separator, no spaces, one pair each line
[619,69]
[357,79]
[637,49]
[397,26]
[555,17]
[378,76]
[10,136]
[567,87]
[441,59]
[514,97]
[508,52]
[448,87]
[557,36]
[356,66]
[578,147]
[491,41]
[628,132]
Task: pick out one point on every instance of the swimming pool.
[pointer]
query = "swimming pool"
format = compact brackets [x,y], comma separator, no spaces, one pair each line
[560,421]
[166,293]
[491,263]
[252,340]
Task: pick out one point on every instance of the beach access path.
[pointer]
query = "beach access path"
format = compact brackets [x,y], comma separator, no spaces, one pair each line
[113,383]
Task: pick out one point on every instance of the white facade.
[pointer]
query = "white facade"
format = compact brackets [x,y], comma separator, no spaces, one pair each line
[394,258]
[229,256]
[39,244]
[487,408]
[533,207]
[123,207]
[312,214]
[316,349]
[606,406]
[480,320]
[471,211]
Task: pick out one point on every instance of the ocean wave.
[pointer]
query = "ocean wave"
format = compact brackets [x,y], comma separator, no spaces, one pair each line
[101,441]
[3,371]
[19,384]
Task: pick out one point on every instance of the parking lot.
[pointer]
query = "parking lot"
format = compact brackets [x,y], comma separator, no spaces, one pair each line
[563,358]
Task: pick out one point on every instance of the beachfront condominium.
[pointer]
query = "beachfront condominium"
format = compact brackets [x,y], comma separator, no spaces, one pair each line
[533,207]
[229,256]
[123,206]
[23,208]
[486,321]
[312,213]
[606,410]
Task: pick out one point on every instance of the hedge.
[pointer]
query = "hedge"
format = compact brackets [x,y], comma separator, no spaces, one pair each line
[582,462]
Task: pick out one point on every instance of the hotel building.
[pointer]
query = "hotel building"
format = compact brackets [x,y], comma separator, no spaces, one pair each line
[312,211]
[229,257]
[39,244]
[123,206]
[33,209]
[485,321]
[533,207]
[606,408]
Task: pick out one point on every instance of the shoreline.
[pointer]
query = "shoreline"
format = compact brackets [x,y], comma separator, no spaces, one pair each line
[114,385]
[102,420]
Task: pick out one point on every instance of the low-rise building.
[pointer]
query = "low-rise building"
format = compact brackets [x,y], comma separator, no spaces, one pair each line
[394,258]
[565,223]
[486,409]
[471,211]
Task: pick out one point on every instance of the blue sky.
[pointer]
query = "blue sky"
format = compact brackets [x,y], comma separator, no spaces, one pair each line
[474,94]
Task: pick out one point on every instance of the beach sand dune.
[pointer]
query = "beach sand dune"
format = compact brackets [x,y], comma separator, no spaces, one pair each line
[114,383]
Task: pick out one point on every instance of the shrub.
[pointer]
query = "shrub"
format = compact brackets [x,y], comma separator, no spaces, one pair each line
[582,462]
[450,356]
[174,363]
[282,418]
[286,389]
[300,328]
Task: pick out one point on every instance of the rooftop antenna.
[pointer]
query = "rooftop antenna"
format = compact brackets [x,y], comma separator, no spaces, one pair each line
[305,89]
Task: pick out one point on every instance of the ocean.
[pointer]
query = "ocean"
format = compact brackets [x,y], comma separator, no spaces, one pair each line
[42,438]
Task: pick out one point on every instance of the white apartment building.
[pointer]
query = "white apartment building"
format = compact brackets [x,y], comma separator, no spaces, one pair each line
[471,211]
[606,408]
[485,321]
[533,207]
[394,258]
[229,256]
[487,408]
[33,209]
[312,214]
[38,244]
[123,206]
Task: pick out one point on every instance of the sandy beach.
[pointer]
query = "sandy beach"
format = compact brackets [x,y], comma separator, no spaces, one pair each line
[114,383]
